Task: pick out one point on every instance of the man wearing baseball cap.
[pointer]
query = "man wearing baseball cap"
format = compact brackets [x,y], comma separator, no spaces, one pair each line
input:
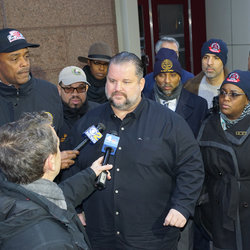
[18,88]
[98,58]
[20,92]
[213,60]
[73,87]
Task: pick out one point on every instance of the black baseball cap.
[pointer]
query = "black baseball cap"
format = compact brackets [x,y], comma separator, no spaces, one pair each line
[12,40]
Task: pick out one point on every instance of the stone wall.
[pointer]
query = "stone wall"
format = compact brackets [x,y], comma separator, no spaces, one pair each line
[65,29]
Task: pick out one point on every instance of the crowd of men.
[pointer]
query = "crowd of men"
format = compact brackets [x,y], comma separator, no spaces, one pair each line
[154,174]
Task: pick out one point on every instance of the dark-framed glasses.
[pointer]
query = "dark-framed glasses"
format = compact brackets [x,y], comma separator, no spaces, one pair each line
[231,95]
[70,90]
[99,63]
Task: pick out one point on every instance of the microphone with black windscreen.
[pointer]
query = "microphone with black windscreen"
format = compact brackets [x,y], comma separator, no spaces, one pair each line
[109,147]
[92,134]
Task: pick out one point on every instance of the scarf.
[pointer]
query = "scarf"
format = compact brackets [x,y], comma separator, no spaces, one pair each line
[96,92]
[49,190]
[73,114]
[227,123]
[160,95]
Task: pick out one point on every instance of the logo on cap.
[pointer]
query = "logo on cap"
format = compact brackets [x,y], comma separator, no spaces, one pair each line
[14,35]
[166,65]
[215,47]
[233,77]
[76,71]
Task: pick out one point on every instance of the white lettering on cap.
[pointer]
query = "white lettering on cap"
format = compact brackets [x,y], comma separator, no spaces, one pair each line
[14,35]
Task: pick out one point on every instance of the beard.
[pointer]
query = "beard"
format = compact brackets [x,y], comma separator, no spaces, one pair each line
[73,105]
[166,92]
[126,104]
[211,75]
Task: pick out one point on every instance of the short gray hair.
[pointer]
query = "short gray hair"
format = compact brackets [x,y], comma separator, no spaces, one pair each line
[25,145]
[165,39]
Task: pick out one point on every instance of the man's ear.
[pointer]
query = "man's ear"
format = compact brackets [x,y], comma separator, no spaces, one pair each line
[88,62]
[49,163]
[142,83]
[59,89]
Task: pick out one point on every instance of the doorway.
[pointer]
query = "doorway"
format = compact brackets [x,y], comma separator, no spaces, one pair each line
[182,19]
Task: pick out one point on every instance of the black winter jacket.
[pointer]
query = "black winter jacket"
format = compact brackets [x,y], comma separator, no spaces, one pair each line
[30,221]
[96,91]
[35,95]
[226,159]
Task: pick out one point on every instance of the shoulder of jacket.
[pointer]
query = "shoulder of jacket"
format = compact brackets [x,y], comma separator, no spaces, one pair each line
[43,83]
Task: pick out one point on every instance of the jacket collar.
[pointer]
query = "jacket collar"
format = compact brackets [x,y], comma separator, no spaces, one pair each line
[11,90]
[74,113]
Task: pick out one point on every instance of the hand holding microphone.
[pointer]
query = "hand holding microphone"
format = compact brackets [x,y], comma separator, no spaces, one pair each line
[98,167]
[109,147]
[91,135]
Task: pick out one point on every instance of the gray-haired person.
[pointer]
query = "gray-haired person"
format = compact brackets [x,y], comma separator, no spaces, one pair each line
[169,43]
[36,213]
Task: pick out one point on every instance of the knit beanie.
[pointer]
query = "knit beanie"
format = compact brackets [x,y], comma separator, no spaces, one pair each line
[240,79]
[216,47]
[166,61]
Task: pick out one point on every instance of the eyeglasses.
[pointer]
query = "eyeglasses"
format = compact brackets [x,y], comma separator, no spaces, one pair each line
[70,90]
[98,63]
[231,95]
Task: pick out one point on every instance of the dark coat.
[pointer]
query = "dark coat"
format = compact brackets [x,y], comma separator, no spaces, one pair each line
[30,221]
[71,116]
[96,90]
[35,95]
[226,159]
[191,107]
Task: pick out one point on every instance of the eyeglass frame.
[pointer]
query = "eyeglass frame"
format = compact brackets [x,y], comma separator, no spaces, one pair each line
[231,95]
[71,90]
[100,63]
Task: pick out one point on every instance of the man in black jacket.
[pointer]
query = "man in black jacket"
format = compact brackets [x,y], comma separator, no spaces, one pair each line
[73,87]
[20,92]
[18,88]
[168,90]
[36,213]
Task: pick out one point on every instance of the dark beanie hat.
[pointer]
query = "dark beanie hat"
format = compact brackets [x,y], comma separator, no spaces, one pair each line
[166,61]
[216,47]
[240,79]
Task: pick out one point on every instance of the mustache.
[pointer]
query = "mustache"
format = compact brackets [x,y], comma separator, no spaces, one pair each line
[120,93]
[25,70]
[74,97]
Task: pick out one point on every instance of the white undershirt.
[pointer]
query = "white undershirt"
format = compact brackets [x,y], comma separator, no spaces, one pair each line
[207,91]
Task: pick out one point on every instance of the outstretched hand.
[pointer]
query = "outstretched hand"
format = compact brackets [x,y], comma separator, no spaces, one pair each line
[98,168]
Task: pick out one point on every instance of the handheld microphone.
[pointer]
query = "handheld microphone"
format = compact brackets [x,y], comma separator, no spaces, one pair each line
[92,134]
[109,147]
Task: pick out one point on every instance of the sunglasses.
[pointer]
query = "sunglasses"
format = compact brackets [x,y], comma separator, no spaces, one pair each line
[70,90]
[231,95]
